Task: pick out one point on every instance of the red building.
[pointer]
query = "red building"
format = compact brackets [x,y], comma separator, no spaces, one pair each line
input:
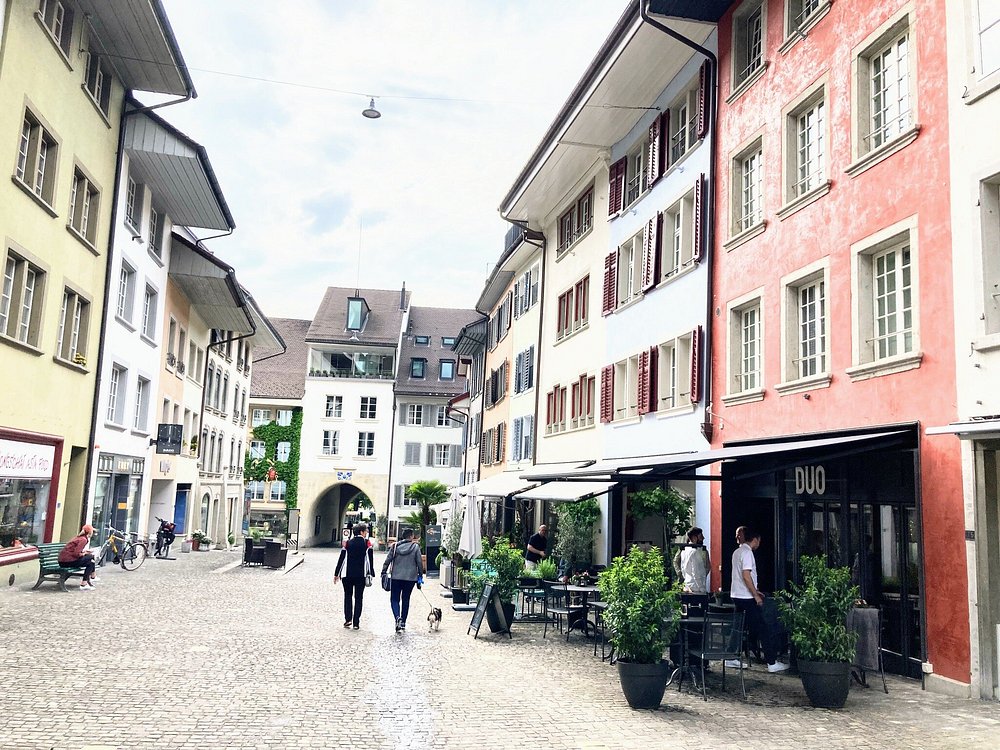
[833,323]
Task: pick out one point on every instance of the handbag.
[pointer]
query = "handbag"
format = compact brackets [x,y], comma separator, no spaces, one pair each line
[386,582]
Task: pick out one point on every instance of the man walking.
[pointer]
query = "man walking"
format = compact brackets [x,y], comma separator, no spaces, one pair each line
[537,545]
[749,600]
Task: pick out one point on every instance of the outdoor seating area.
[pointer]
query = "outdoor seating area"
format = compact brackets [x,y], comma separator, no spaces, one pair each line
[268,553]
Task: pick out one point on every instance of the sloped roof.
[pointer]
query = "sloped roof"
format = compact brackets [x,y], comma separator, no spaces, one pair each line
[283,376]
[434,322]
[384,322]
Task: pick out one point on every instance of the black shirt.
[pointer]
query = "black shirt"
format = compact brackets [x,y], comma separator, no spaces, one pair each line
[539,542]
[357,553]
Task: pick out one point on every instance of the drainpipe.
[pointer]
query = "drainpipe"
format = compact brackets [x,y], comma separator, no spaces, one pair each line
[711,89]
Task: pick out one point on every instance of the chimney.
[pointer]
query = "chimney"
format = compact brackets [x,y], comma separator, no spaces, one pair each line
[402,297]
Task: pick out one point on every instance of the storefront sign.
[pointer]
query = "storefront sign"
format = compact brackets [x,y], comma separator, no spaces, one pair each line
[810,480]
[26,460]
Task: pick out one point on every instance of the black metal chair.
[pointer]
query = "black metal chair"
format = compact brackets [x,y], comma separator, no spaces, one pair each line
[559,607]
[721,639]
[252,554]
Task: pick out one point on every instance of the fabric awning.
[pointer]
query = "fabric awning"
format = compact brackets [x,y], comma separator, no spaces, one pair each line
[501,485]
[980,427]
[566,490]
[549,469]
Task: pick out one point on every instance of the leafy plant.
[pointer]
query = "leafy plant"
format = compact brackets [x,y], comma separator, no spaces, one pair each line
[546,570]
[425,493]
[231,538]
[453,536]
[256,533]
[669,504]
[575,539]
[643,612]
[198,536]
[503,566]
[815,611]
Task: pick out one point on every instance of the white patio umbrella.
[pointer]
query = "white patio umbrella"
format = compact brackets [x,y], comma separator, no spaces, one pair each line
[471,544]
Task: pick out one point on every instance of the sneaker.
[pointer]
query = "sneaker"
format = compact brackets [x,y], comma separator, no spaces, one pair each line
[357,627]
[347,624]
[778,666]
[737,664]
[399,624]
[95,579]
[85,587]
[402,626]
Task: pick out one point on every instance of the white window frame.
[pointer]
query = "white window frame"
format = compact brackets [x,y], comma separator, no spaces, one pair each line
[629,274]
[125,299]
[635,171]
[980,27]
[117,390]
[140,415]
[738,373]
[369,408]
[331,442]
[442,417]
[683,135]
[366,444]
[98,82]
[37,165]
[133,204]
[800,17]
[442,455]
[441,369]
[337,410]
[284,417]
[415,415]
[748,189]
[260,417]
[150,310]
[749,45]
[677,243]
[626,397]
[989,213]
[797,375]
[257,448]
[84,207]
[282,451]
[74,325]
[23,294]
[673,373]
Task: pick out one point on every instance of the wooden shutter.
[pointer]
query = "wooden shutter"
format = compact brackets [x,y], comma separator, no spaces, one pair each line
[703,84]
[402,414]
[651,252]
[654,367]
[699,218]
[529,367]
[397,495]
[665,131]
[654,160]
[515,445]
[607,393]
[510,307]
[506,376]
[456,456]
[642,384]
[695,365]
[501,442]
[610,300]
[430,454]
[616,186]
[529,430]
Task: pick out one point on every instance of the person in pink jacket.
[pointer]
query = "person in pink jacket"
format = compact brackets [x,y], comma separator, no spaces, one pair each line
[74,555]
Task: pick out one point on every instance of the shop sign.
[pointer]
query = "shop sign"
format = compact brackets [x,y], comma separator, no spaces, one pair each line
[26,460]
[810,480]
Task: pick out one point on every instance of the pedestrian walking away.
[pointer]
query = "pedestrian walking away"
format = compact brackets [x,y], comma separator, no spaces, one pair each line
[74,554]
[355,568]
[406,570]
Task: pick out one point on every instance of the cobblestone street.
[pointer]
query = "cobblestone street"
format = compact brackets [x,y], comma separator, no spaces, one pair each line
[203,653]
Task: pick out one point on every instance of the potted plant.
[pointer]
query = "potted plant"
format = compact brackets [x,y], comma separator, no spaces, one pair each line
[206,544]
[546,570]
[503,567]
[815,613]
[643,614]
[196,538]
[670,505]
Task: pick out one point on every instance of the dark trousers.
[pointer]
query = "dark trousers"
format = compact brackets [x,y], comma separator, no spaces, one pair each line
[756,629]
[87,563]
[354,589]
[399,598]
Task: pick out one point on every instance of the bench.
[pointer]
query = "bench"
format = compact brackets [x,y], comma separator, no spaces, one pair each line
[49,568]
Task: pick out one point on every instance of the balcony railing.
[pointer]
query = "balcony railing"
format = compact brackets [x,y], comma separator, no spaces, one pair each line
[347,372]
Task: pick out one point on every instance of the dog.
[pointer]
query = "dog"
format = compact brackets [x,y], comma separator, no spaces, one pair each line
[434,619]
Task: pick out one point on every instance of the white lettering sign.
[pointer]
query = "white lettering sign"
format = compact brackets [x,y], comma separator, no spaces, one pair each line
[26,460]
[810,480]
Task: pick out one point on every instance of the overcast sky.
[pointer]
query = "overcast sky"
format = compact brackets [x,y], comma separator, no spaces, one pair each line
[302,170]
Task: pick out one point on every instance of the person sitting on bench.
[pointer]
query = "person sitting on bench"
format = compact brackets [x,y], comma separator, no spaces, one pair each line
[73,555]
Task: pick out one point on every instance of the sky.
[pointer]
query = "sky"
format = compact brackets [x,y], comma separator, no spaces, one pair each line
[466,88]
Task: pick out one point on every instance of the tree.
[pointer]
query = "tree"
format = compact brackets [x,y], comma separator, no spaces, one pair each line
[673,507]
[425,493]
[575,534]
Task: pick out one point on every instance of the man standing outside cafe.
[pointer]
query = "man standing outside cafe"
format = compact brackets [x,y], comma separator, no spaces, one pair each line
[749,600]
[537,545]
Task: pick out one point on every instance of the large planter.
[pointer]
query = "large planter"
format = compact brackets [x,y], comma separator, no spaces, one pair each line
[826,683]
[643,684]
[493,621]
[195,544]
[459,596]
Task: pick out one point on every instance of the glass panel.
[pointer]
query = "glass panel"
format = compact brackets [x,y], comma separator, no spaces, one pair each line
[23,505]
[835,553]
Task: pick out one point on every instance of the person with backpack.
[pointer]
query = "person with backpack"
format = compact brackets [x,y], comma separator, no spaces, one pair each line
[405,567]
[357,553]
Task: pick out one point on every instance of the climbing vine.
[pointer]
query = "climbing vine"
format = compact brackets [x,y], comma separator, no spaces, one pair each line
[255,469]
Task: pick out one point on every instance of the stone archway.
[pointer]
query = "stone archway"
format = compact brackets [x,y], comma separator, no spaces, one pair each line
[322,523]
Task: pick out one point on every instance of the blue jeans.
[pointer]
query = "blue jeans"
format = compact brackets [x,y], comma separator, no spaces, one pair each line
[399,598]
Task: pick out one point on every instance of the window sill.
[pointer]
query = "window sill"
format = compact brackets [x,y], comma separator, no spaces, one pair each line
[888,366]
[332,419]
[976,90]
[114,426]
[807,26]
[328,456]
[83,240]
[745,236]
[571,334]
[132,230]
[883,152]
[744,397]
[811,383]
[146,339]
[625,305]
[684,270]
[806,199]
[365,458]
[581,427]
[31,194]
[560,254]
[70,365]
[52,40]
[96,105]
[678,164]
[987,343]
[749,81]
[157,259]
[626,421]
[675,411]
[127,323]
[140,433]
[30,348]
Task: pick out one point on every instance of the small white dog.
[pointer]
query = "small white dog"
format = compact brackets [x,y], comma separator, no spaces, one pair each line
[434,619]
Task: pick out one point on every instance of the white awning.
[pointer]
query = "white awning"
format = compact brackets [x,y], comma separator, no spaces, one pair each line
[443,510]
[566,490]
[501,485]
[981,427]
[547,470]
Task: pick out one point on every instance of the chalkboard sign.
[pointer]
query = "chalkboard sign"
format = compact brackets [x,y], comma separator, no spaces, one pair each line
[489,598]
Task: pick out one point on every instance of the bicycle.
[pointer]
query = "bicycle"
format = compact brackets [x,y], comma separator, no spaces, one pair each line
[130,556]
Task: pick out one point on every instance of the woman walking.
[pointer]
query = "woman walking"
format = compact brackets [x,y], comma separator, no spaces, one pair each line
[406,569]
[357,553]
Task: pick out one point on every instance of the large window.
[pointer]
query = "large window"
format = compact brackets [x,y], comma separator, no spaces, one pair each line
[133,204]
[630,269]
[257,449]
[807,146]
[37,158]
[447,369]
[414,414]
[800,15]
[74,320]
[126,292]
[573,308]
[811,329]
[331,442]
[155,239]
[84,200]
[117,383]
[524,370]
[684,124]
[368,404]
[522,436]
[555,410]
[886,95]
[57,17]
[334,406]
[635,171]
[141,412]
[746,356]
[988,37]
[20,307]
[259,416]
[892,302]
[677,245]
[98,81]
[149,315]
[576,221]
[525,294]
[283,451]
[626,384]
[417,367]
[582,402]
[747,192]
[750,349]
[673,373]
[366,444]
[284,417]
[748,42]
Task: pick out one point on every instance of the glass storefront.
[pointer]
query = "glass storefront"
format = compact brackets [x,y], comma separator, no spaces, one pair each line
[117,494]
[23,505]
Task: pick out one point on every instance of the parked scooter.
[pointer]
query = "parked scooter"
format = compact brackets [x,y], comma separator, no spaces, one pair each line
[164,538]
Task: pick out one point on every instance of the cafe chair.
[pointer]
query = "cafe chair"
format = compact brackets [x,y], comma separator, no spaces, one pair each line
[721,639]
[559,607]
[253,555]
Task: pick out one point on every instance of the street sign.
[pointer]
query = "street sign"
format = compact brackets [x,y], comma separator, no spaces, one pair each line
[168,438]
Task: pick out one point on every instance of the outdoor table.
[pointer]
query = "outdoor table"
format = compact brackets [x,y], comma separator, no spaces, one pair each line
[584,592]
[689,627]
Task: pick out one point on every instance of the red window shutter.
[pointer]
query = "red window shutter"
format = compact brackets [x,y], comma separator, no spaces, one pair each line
[651,252]
[607,393]
[654,163]
[643,383]
[616,187]
[665,132]
[654,359]
[610,283]
[696,365]
[703,84]
[699,219]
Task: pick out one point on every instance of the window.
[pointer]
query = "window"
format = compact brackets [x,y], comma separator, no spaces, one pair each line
[746,340]
[257,449]
[155,239]
[422,340]
[411,454]
[801,15]
[684,124]
[133,205]
[525,291]
[415,414]
[748,42]
[988,33]
[74,319]
[284,417]
[885,69]
[366,443]
[447,369]
[524,370]
[442,417]
[555,410]
[635,171]
[259,416]
[278,489]
[98,83]
[989,201]
[522,435]
[37,157]
[810,329]
[126,292]
[116,395]
[492,451]
[83,206]
[892,302]
[673,367]
[335,406]
[57,17]
[220,399]
[357,313]
[576,221]
[441,455]
[20,313]
[806,147]
[331,442]
[626,388]
[417,367]
[573,308]
[447,341]
[283,451]
[677,249]
[497,387]
[139,417]
[582,395]
[149,317]
[630,269]
[747,181]
[500,321]
[368,404]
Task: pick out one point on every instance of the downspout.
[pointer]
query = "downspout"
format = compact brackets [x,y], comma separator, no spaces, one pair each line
[711,104]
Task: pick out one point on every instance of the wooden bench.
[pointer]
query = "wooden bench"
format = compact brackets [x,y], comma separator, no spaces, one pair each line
[49,568]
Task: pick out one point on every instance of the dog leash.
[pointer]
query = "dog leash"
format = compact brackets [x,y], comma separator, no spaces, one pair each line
[425,598]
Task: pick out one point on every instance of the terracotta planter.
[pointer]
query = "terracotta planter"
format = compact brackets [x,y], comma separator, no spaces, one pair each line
[195,544]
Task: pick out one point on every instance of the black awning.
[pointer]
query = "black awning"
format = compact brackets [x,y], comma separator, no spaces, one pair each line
[709,11]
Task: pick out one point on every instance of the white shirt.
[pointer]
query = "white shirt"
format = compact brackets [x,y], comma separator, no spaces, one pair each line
[743,559]
[694,566]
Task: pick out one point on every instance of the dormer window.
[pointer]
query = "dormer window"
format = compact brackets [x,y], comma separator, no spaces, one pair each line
[447,341]
[357,313]
[421,340]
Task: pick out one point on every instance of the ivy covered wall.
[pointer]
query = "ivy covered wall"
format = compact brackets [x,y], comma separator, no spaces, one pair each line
[255,469]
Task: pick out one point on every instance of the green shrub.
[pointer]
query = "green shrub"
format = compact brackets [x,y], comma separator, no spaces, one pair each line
[546,570]
[815,612]
[575,534]
[502,566]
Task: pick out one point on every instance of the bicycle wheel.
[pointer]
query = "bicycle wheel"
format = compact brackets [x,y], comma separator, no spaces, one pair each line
[133,556]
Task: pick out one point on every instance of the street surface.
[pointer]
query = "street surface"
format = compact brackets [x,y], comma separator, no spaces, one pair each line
[197,653]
